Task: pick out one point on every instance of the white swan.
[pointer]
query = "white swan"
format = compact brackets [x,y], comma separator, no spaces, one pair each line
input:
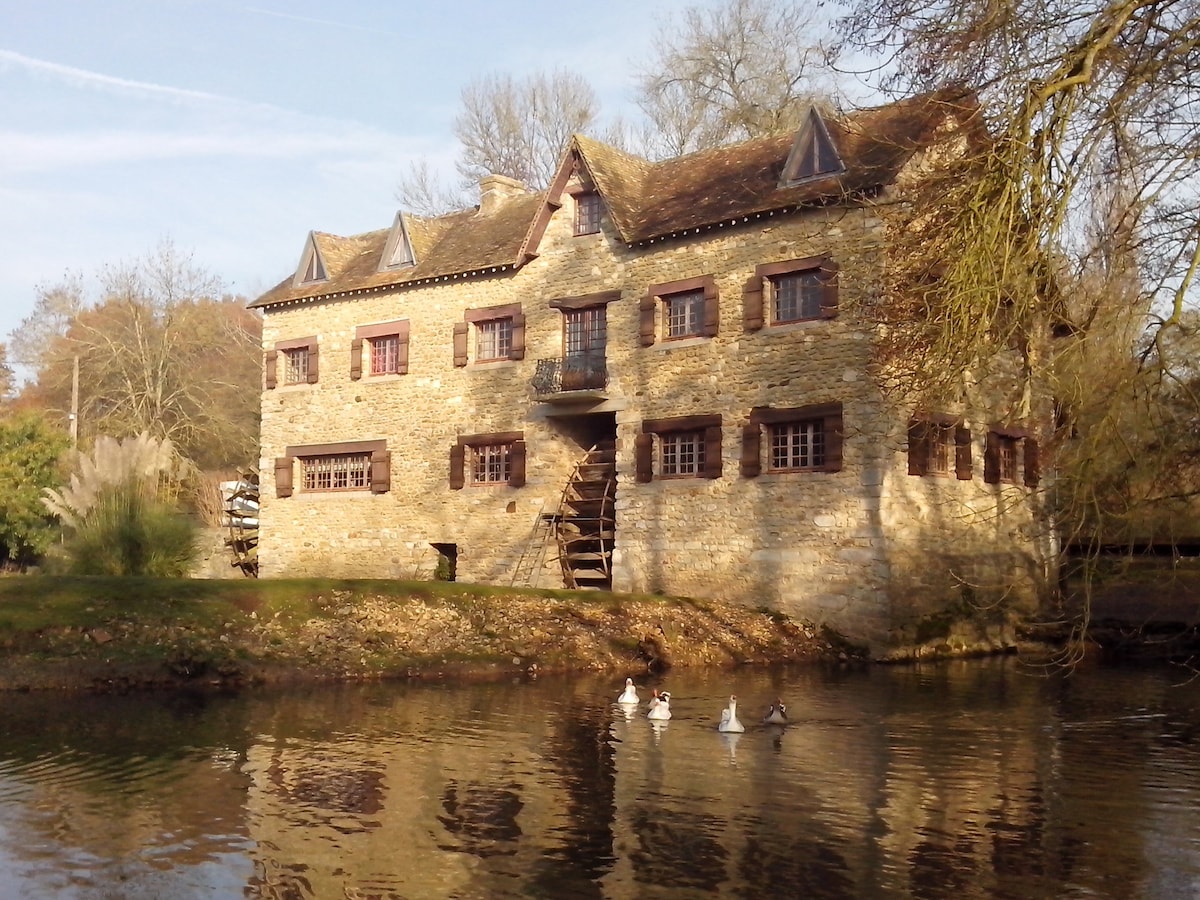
[660,706]
[629,695]
[776,715]
[729,719]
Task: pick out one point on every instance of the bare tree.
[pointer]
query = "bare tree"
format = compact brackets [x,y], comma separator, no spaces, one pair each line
[53,310]
[727,73]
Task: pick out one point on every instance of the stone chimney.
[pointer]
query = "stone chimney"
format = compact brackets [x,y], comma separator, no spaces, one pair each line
[495,190]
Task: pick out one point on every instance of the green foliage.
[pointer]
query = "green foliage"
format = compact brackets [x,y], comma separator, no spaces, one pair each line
[29,455]
[127,532]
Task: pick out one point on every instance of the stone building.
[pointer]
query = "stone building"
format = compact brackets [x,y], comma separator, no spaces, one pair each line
[650,377]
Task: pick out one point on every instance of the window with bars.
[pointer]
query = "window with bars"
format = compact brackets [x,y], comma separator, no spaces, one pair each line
[681,454]
[799,439]
[346,472]
[797,446]
[796,296]
[1006,448]
[684,314]
[493,339]
[588,209]
[488,459]
[295,365]
[689,307]
[687,447]
[385,354]
[379,349]
[585,331]
[1010,456]
[792,290]
[491,463]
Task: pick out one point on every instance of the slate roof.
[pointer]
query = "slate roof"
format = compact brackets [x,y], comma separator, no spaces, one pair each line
[646,201]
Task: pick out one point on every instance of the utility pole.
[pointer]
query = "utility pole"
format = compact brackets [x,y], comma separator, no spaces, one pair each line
[75,404]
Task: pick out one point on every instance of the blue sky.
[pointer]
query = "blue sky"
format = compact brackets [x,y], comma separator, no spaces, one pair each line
[234,128]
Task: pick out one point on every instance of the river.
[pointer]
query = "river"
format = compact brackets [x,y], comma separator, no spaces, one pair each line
[966,780]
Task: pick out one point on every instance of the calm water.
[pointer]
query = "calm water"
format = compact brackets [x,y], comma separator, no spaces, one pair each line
[961,780]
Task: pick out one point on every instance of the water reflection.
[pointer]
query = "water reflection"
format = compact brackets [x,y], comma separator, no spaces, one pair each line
[958,780]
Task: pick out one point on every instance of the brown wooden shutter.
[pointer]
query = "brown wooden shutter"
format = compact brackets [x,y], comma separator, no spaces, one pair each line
[918,447]
[712,309]
[752,303]
[517,349]
[516,464]
[356,348]
[829,289]
[1033,462]
[402,355]
[283,476]
[312,362]
[831,424]
[646,320]
[751,450]
[713,462]
[270,369]
[643,455]
[991,458]
[381,471]
[461,329]
[962,453]
[458,457]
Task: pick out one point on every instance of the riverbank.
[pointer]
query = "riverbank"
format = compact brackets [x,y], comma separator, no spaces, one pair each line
[124,634]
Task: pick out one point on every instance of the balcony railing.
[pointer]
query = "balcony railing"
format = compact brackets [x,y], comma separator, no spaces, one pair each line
[571,373]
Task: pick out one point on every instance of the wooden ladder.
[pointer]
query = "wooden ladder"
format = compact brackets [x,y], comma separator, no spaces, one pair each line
[586,520]
[528,569]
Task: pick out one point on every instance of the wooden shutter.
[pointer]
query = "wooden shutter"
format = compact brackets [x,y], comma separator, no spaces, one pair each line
[712,308]
[646,320]
[991,458]
[517,349]
[356,348]
[831,424]
[516,464]
[458,456]
[461,329]
[312,362]
[402,354]
[713,463]
[962,453]
[1033,462]
[752,303]
[751,450]
[270,369]
[643,454]
[829,289]
[918,447]
[283,476]
[381,471]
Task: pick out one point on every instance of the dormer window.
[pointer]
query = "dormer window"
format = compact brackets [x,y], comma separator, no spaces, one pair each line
[588,208]
[813,154]
[312,265]
[398,252]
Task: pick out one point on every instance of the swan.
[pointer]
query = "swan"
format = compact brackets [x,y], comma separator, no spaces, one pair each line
[660,706]
[629,695]
[729,719]
[776,715]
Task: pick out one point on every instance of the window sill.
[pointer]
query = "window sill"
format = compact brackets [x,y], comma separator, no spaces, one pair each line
[492,364]
[680,343]
[798,325]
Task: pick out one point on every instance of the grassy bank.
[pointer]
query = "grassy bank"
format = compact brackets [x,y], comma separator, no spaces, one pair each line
[111,634]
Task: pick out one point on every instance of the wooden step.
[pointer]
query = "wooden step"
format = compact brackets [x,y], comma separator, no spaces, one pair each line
[582,556]
[590,575]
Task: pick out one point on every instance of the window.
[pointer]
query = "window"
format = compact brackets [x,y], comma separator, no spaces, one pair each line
[386,348]
[499,334]
[346,466]
[1011,455]
[939,445]
[488,459]
[690,308]
[298,362]
[799,439]
[796,290]
[813,153]
[688,447]
[588,208]
[585,331]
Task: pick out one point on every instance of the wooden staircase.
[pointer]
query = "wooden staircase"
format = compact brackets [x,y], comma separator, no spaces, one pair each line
[586,521]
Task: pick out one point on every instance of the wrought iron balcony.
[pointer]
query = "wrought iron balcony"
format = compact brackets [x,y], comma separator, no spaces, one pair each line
[571,374]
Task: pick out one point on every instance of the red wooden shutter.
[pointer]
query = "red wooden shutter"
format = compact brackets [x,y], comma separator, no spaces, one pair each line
[831,424]
[962,453]
[461,329]
[918,447]
[752,304]
[712,309]
[751,450]
[1033,462]
[283,476]
[516,464]
[517,349]
[829,289]
[713,462]
[643,453]
[646,320]
[356,348]
[402,355]
[991,458]
[270,367]
[312,362]
[458,456]
[381,471]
